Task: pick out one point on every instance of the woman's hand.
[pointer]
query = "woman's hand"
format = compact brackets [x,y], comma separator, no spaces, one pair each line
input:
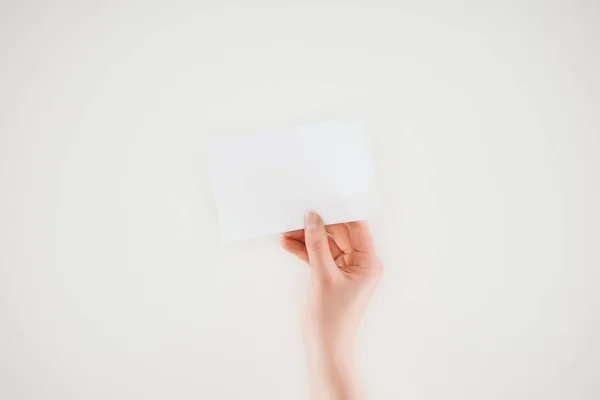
[345,271]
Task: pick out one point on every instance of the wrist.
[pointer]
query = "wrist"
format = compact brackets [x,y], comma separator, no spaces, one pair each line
[332,369]
[330,346]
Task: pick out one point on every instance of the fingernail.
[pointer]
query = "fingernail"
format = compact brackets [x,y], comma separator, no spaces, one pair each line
[311,220]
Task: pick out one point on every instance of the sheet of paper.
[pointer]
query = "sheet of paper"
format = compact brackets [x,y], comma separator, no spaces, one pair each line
[265,182]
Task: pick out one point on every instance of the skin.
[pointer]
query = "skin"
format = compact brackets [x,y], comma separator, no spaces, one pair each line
[345,271]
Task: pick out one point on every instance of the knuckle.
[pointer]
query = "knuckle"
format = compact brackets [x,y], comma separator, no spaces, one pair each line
[314,246]
[325,281]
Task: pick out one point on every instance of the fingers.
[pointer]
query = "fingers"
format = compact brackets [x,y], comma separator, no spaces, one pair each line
[317,243]
[333,246]
[341,237]
[344,238]
[294,247]
[298,235]
[360,236]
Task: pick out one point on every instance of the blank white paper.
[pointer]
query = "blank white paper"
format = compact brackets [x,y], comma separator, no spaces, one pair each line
[265,182]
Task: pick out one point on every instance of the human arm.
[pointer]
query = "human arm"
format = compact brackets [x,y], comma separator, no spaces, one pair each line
[345,271]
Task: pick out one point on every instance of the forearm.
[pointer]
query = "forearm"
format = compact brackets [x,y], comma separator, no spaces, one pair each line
[344,273]
[332,374]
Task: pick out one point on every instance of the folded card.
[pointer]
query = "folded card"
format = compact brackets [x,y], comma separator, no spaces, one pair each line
[264,182]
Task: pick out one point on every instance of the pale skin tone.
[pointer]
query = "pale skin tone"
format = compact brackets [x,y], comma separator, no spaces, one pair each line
[345,271]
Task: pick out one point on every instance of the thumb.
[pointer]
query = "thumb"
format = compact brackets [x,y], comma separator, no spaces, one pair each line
[317,243]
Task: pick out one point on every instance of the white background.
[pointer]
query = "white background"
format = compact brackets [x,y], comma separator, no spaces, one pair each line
[486,138]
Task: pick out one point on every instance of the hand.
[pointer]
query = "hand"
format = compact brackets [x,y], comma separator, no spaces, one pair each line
[345,271]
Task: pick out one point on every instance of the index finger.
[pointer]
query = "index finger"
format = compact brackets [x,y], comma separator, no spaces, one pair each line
[360,236]
[297,234]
